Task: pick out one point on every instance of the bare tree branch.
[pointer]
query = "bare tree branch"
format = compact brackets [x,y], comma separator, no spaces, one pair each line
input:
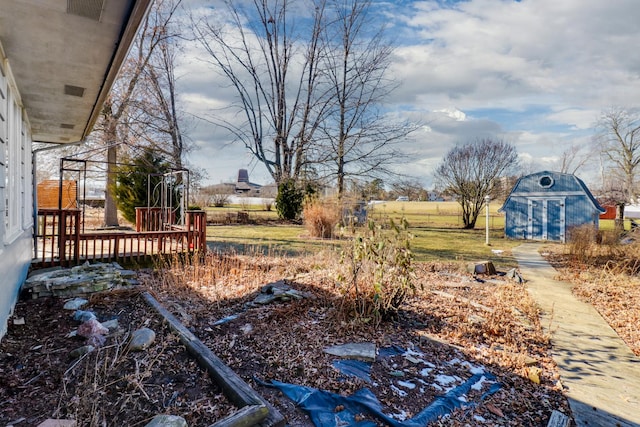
[470,172]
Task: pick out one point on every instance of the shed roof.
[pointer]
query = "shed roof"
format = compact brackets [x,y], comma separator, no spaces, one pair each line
[575,187]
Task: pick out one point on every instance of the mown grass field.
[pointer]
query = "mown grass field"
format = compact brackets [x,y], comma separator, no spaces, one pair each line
[436,226]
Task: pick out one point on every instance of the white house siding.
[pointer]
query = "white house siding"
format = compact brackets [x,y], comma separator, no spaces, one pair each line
[16,204]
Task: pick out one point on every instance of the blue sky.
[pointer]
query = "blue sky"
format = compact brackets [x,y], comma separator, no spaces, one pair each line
[536,73]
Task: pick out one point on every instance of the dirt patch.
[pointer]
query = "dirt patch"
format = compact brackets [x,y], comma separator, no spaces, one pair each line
[453,325]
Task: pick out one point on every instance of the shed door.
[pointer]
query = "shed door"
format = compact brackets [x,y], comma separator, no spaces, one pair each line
[535,220]
[555,220]
[546,219]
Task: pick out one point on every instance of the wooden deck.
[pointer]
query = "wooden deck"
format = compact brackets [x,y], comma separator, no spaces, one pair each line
[59,240]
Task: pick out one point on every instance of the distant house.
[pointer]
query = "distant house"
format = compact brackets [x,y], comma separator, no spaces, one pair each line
[58,61]
[244,186]
[546,205]
[241,186]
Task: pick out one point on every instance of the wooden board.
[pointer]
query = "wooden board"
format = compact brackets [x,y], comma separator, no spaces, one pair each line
[49,193]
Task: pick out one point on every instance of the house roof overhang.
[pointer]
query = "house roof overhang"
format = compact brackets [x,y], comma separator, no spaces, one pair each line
[64,56]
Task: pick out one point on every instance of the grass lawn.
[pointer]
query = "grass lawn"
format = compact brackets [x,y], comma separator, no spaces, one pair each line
[437,228]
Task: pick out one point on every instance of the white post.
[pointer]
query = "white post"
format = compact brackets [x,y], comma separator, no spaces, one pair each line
[486,202]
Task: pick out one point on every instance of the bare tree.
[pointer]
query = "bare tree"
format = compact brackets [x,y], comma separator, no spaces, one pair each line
[270,63]
[409,187]
[158,102]
[115,124]
[309,78]
[573,158]
[619,139]
[470,173]
[360,138]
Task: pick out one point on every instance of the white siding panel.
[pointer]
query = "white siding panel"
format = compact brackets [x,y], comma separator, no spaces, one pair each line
[16,204]
[3,151]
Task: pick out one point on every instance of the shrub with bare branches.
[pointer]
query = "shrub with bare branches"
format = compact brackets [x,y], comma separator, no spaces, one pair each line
[321,218]
[378,273]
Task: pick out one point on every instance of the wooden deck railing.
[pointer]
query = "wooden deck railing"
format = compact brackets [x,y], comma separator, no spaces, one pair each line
[58,240]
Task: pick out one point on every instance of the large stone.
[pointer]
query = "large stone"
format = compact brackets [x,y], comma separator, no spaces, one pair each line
[141,339]
[363,351]
[81,280]
[167,421]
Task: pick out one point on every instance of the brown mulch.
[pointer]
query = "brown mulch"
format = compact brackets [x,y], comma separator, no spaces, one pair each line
[111,386]
[453,324]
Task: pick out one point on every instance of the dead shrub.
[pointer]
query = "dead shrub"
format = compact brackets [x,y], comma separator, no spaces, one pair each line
[581,242]
[377,273]
[321,218]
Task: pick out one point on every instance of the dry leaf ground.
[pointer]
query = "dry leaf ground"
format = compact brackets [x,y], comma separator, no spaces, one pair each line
[454,322]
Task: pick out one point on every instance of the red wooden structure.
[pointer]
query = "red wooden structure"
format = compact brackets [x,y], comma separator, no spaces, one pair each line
[58,239]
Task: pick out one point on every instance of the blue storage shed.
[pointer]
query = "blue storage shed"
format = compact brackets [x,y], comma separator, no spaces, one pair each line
[545,205]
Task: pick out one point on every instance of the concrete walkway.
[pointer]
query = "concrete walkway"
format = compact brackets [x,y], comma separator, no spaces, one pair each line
[600,373]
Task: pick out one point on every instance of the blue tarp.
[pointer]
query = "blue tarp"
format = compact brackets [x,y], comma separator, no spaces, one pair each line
[321,405]
[356,368]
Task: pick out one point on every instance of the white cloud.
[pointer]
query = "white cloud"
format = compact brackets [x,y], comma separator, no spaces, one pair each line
[536,73]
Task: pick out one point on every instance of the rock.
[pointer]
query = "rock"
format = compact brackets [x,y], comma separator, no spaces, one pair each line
[18,321]
[92,327]
[481,267]
[78,281]
[81,351]
[83,316]
[112,325]
[277,291]
[275,288]
[58,423]
[264,299]
[167,421]
[75,304]
[363,351]
[247,329]
[141,339]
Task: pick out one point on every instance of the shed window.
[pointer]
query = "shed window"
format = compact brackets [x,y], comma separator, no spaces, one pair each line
[545,181]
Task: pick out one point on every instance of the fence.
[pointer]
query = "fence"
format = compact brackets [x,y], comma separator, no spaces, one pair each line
[58,240]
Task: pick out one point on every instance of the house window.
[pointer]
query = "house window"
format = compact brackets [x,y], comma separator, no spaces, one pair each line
[545,181]
[15,174]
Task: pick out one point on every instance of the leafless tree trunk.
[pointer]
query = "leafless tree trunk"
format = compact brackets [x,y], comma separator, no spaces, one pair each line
[115,120]
[619,138]
[309,78]
[361,140]
[470,171]
[271,63]
[158,103]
